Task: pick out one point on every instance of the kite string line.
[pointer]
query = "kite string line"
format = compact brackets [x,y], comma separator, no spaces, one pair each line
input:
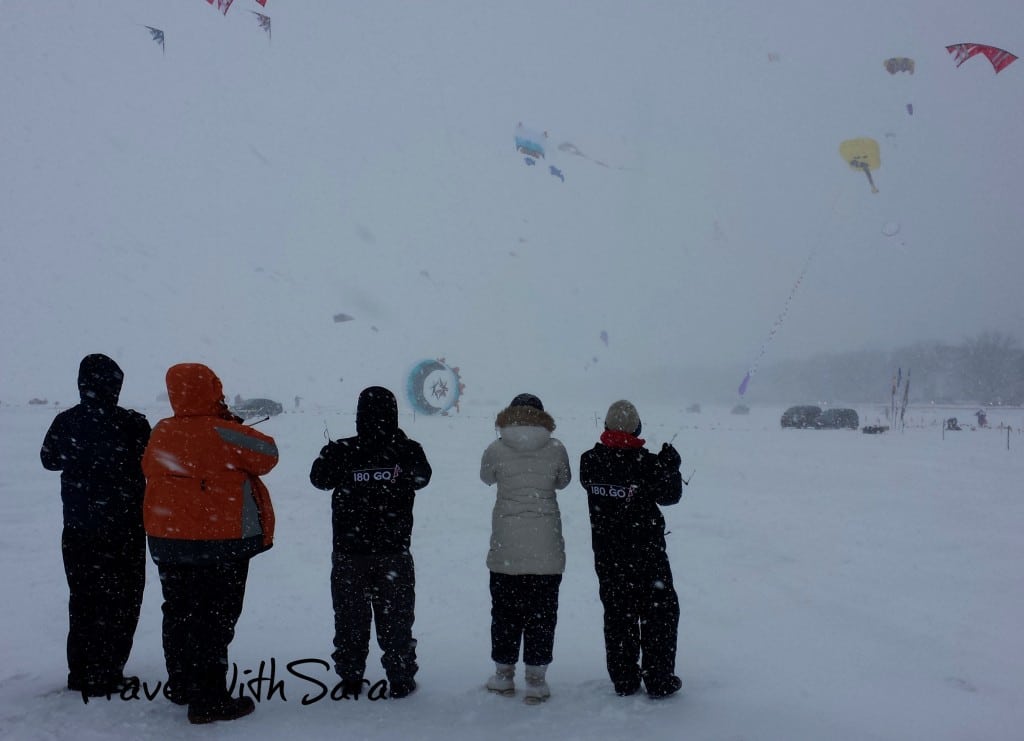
[826,221]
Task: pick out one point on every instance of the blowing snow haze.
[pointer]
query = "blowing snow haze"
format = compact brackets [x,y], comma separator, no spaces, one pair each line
[224,199]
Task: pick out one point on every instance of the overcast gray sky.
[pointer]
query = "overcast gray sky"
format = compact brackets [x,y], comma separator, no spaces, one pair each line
[221,201]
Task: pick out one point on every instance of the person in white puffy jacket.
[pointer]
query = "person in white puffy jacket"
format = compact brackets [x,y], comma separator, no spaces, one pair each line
[527,554]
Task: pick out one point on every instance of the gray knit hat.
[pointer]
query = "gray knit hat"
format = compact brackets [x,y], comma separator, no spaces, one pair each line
[623,417]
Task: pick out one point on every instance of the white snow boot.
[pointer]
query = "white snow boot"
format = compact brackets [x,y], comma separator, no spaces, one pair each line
[502,681]
[537,690]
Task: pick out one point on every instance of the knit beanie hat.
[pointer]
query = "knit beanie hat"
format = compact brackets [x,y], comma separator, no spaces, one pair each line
[527,400]
[622,417]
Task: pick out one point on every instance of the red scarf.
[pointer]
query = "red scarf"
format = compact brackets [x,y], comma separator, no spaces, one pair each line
[616,439]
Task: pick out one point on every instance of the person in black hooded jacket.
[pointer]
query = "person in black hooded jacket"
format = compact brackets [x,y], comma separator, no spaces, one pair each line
[97,446]
[374,477]
[626,484]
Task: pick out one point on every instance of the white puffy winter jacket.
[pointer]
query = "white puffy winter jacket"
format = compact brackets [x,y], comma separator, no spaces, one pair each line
[528,465]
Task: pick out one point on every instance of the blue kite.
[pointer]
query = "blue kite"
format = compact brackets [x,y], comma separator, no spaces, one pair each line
[532,144]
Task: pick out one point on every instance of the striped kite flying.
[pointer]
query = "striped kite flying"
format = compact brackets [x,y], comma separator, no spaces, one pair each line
[1000,58]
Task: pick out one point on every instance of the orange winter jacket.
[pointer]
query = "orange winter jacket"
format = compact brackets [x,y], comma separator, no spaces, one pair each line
[204,499]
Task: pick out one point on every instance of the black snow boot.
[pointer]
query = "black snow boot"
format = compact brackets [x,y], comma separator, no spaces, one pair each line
[664,686]
[627,688]
[179,692]
[403,687]
[226,708]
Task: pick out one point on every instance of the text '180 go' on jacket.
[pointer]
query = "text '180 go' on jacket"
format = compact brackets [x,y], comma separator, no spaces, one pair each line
[204,499]
[374,477]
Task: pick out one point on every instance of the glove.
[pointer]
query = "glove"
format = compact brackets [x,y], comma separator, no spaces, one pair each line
[669,456]
[225,413]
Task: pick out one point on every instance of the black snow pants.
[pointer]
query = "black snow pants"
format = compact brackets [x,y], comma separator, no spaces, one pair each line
[641,614]
[381,589]
[524,609]
[106,575]
[201,607]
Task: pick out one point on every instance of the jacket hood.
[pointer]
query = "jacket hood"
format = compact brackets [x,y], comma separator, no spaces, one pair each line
[377,413]
[194,391]
[524,416]
[99,380]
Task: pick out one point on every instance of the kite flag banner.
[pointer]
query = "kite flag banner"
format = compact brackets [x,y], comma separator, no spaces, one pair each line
[1000,58]
[222,5]
[744,383]
[906,398]
[158,37]
[263,3]
[779,320]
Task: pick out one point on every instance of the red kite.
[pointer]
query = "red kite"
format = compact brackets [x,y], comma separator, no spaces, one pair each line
[222,5]
[1000,58]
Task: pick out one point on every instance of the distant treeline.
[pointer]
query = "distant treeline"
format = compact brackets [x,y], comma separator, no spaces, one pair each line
[986,370]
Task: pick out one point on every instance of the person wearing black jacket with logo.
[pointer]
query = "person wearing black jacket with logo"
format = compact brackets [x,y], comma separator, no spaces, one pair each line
[625,486]
[374,477]
[97,446]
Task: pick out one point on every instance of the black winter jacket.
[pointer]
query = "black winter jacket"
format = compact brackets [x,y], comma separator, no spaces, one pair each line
[374,476]
[624,487]
[97,446]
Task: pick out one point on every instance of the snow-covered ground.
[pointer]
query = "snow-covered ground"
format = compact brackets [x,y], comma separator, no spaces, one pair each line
[221,200]
[834,585]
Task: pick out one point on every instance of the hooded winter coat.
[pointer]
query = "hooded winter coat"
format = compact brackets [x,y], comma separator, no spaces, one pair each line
[97,446]
[374,477]
[626,487]
[528,465]
[204,500]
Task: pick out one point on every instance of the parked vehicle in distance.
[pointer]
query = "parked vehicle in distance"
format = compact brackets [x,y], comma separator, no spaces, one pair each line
[801,417]
[838,419]
[249,408]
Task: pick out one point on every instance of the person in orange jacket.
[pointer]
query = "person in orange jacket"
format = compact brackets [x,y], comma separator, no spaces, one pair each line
[206,513]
